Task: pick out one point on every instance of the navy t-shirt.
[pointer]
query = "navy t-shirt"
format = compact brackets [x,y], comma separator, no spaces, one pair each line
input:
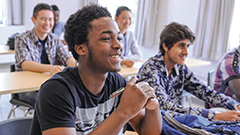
[44,57]
[64,101]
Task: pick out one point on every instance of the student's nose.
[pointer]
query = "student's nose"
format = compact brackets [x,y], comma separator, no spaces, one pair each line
[185,50]
[117,45]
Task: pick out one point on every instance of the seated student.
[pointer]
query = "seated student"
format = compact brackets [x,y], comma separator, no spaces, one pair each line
[76,100]
[40,51]
[58,27]
[226,78]
[169,76]
[131,51]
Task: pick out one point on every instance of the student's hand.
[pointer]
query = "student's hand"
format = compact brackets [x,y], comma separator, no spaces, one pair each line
[228,116]
[238,107]
[64,42]
[128,63]
[135,98]
[152,104]
[55,69]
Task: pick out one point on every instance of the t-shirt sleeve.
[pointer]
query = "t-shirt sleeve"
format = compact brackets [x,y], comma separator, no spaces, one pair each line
[55,106]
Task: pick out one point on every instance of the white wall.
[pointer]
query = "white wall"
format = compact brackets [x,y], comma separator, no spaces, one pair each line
[66,7]
[182,11]
[7,31]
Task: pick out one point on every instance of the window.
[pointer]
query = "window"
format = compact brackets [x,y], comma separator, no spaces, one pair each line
[112,6]
[234,36]
[2,11]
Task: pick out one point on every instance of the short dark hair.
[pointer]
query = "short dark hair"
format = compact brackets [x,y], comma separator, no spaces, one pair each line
[173,33]
[120,9]
[55,8]
[79,24]
[41,6]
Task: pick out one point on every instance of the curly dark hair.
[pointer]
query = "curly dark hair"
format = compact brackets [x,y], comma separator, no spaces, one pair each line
[79,24]
[173,33]
[120,9]
[41,6]
[55,8]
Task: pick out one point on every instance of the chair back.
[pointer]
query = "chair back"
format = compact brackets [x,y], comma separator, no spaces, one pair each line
[16,126]
[209,83]
[210,76]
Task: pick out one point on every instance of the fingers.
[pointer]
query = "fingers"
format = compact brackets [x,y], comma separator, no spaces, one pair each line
[151,104]
[55,69]
[228,116]
[133,80]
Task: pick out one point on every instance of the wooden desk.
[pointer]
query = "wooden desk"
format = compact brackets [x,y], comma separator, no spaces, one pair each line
[24,81]
[190,62]
[4,49]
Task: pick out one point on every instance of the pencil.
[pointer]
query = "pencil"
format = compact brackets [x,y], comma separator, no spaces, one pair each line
[120,90]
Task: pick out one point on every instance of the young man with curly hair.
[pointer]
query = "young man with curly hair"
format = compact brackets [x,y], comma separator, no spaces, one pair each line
[76,101]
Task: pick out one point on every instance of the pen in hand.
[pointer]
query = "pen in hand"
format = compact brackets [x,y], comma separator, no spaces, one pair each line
[119,91]
[235,106]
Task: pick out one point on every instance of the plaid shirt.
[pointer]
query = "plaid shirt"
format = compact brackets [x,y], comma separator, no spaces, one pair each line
[27,47]
[225,69]
[169,89]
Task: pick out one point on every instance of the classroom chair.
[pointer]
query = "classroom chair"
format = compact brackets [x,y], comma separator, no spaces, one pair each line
[209,83]
[16,126]
[16,102]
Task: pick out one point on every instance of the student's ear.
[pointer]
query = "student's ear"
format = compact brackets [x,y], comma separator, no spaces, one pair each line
[33,20]
[164,47]
[116,19]
[81,49]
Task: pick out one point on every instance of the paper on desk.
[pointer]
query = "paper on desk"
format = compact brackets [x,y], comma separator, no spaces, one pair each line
[137,65]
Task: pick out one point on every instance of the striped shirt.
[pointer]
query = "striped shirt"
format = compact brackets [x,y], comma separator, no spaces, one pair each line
[169,89]
[28,47]
[225,69]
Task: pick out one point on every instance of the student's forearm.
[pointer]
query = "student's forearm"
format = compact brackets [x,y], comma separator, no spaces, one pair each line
[235,87]
[34,66]
[152,125]
[37,67]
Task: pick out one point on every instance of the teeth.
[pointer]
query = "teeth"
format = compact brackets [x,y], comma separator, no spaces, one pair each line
[115,56]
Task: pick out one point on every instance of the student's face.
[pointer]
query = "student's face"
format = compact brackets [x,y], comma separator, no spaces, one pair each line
[104,45]
[56,17]
[178,53]
[124,20]
[43,21]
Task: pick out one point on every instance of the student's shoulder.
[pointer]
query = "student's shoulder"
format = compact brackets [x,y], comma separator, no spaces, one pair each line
[154,61]
[25,34]
[61,23]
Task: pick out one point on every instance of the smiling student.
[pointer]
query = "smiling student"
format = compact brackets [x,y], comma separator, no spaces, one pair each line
[38,50]
[131,51]
[76,100]
[167,73]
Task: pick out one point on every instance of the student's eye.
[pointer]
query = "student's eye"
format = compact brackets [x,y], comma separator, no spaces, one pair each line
[181,45]
[106,38]
[43,19]
[120,39]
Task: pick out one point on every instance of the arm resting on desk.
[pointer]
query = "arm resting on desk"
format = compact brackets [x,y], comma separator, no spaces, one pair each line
[37,67]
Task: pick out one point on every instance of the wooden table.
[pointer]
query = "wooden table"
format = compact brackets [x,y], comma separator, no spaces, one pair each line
[24,81]
[4,49]
[190,62]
